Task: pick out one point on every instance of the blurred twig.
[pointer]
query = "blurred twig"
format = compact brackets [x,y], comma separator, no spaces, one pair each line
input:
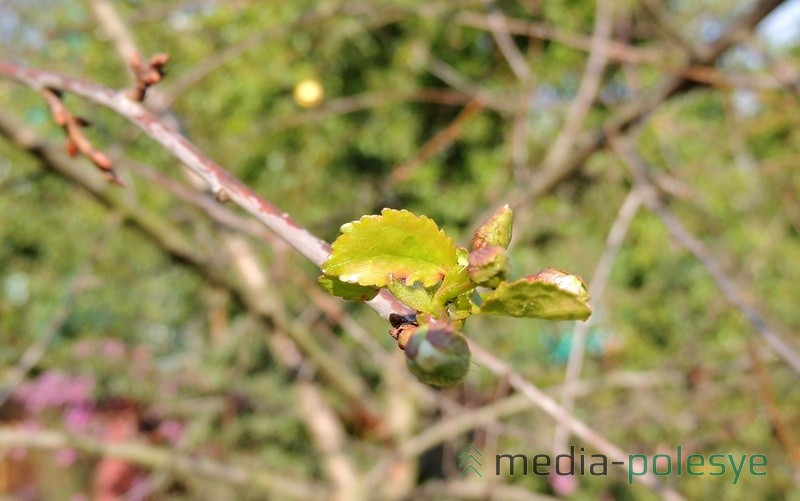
[612,50]
[222,183]
[564,142]
[783,431]
[640,171]
[450,428]
[516,61]
[117,30]
[452,77]
[441,140]
[551,407]
[635,111]
[34,353]
[172,241]
[588,89]
[328,436]
[597,286]
[159,458]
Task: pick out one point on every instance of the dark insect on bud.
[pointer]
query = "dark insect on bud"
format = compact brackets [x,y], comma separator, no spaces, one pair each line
[398,320]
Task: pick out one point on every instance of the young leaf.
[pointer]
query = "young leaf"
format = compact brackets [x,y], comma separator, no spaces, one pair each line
[488,266]
[532,297]
[351,292]
[563,280]
[414,296]
[456,282]
[397,245]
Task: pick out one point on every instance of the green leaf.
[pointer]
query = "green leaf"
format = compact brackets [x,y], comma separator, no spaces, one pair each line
[415,296]
[528,297]
[351,292]
[397,245]
[456,282]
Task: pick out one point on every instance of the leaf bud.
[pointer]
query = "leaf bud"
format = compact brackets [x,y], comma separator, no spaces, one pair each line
[494,231]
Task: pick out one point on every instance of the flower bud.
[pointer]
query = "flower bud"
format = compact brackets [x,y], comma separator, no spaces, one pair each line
[438,355]
[494,231]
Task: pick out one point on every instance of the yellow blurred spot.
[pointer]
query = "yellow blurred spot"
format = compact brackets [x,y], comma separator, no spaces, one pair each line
[308,93]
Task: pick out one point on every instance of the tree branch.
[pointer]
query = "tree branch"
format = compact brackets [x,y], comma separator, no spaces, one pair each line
[160,458]
[636,111]
[222,183]
[640,171]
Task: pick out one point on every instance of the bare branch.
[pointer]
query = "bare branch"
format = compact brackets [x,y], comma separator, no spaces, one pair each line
[172,241]
[640,171]
[314,249]
[636,111]
[160,458]
[516,61]
[77,142]
[578,428]
[117,31]
[590,85]
[613,50]
[597,285]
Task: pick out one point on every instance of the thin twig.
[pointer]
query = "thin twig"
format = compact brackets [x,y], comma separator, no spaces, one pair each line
[113,25]
[516,61]
[783,430]
[640,171]
[452,77]
[597,285]
[587,92]
[328,436]
[634,112]
[441,140]
[551,407]
[613,50]
[77,142]
[172,241]
[161,458]
[448,429]
[221,182]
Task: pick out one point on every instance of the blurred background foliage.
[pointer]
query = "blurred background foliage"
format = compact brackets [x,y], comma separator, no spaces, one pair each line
[669,359]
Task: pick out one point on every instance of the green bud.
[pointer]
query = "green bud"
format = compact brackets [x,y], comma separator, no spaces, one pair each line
[488,266]
[494,231]
[438,355]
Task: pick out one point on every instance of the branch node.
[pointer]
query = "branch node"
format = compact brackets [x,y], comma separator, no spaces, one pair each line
[77,142]
[222,195]
[146,75]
